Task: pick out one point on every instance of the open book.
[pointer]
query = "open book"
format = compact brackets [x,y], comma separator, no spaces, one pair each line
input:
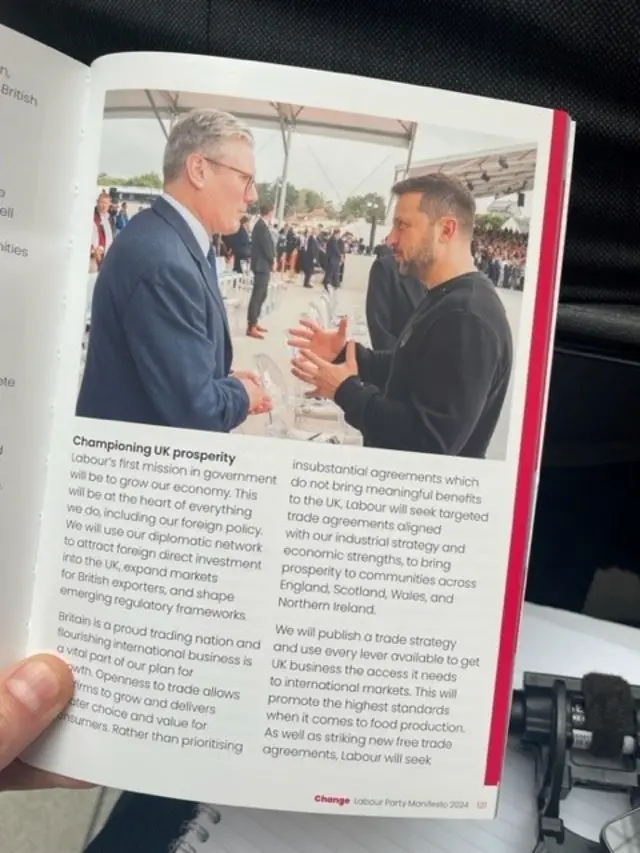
[286,566]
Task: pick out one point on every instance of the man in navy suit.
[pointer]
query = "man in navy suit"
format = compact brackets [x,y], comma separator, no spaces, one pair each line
[309,256]
[263,253]
[159,349]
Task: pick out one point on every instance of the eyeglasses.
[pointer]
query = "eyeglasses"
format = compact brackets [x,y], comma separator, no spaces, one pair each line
[250,179]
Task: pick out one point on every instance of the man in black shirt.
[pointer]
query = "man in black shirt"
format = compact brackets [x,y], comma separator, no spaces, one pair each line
[442,388]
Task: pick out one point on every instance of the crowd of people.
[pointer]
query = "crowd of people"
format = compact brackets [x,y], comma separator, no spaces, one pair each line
[501,255]
[291,244]
[297,248]
[297,251]
[292,250]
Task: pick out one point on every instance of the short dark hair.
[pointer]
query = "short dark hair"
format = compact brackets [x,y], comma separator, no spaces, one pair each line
[442,195]
[266,209]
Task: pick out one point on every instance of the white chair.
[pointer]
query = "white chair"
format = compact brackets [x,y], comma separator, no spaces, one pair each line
[297,416]
[321,313]
[329,297]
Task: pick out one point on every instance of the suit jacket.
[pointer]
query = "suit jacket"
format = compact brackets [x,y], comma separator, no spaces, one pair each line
[335,251]
[391,300]
[310,255]
[159,348]
[262,249]
[239,243]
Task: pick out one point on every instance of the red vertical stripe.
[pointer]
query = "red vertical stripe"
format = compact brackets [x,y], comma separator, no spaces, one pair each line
[529,446]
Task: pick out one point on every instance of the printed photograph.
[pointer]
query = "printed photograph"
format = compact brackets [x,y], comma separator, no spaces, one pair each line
[281,270]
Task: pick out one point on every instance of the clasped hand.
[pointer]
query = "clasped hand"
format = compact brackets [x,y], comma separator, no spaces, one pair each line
[259,401]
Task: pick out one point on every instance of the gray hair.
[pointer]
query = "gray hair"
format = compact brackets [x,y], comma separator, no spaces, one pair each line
[201,131]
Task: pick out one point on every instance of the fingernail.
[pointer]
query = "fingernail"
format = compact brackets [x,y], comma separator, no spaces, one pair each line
[35,685]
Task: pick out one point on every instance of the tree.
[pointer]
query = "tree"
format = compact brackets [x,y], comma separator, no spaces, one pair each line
[331,210]
[369,206]
[149,179]
[268,194]
[109,181]
[291,200]
[308,200]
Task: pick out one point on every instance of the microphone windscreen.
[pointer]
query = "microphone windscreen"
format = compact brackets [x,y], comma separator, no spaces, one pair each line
[609,710]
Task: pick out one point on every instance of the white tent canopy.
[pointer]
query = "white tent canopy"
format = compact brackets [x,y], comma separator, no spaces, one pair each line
[495,172]
[166,106]
[139,103]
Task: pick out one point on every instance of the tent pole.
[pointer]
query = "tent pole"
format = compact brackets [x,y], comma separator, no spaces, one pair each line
[412,142]
[407,165]
[156,113]
[285,129]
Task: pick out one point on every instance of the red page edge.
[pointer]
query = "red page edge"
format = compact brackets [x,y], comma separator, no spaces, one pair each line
[529,446]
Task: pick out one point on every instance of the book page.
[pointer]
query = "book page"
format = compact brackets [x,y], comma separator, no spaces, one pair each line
[296,602]
[42,97]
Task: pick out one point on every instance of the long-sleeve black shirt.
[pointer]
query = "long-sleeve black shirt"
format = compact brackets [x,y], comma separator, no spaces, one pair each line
[441,390]
[391,300]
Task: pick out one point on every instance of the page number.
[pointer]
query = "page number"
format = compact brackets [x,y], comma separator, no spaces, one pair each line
[482,804]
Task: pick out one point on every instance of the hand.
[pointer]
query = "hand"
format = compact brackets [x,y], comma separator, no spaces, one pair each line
[326,344]
[264,406]
[259,401]
[32,694]
[325,376]
[247,374]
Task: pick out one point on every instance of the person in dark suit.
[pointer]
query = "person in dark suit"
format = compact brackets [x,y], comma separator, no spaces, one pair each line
[263,252]
[309,256]
[335,255]
[381,250]
[159,348]
[239,244]
[292,244]
[391,300]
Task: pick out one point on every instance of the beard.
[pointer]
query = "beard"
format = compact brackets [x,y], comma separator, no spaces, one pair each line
[417,267]
[423,259]
[408,268]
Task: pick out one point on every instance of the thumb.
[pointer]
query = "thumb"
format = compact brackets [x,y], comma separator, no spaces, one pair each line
[342,326]
[350,354]
[32,694]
